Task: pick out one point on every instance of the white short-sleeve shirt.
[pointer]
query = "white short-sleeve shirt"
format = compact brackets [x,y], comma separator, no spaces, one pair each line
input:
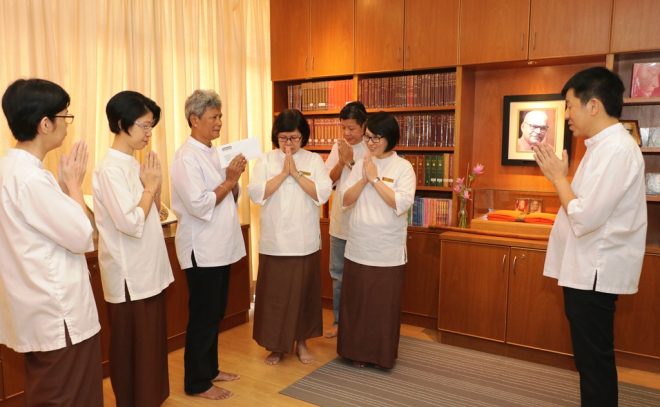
[131,248]
[44,280]
[212,231]
[289,217]
[377,233]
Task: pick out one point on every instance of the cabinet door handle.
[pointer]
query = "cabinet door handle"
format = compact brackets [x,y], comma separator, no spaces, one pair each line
[399,56]
[515,260]
[312,63]
[534,42]
[306,66]
[503,261]
[522,41]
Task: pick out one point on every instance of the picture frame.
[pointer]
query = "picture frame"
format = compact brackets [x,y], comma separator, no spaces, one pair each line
[633,128]
[645,80]
[529,120]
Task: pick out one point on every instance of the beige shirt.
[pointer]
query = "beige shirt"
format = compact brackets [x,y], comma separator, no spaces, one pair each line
[131,248]
[289,217]
[377,233]
[212,231]
[602,236]
[44,280]
[338,214]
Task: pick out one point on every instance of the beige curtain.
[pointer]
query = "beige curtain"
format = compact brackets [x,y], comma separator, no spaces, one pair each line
[162,48]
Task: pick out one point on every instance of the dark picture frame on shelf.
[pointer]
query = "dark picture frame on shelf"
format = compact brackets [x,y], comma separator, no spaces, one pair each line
[529,120]
[633,128]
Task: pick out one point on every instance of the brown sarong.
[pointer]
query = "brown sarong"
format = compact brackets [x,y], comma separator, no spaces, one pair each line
[138,351]
[67,377]
[370,313]
[287,306]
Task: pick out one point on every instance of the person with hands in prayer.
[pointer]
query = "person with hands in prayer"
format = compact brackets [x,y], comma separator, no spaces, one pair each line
[126,210]
[47,308]
[343,155]
[289,183]
[597,243]
[208,239]
[380,190]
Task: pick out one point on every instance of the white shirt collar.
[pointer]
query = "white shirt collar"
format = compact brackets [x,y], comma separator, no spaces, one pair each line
[120,155]
[199,145]
[603,134]
[17,152]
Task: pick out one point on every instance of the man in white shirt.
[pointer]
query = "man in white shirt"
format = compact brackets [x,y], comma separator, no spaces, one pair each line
[47,308]
[597,244]
[343,156]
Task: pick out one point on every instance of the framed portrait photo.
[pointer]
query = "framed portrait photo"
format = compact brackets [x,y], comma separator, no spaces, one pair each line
[645,80]
[530,120]
[633,128]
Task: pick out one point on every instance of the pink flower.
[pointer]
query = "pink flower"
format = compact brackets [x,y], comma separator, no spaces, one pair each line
[478,169]
[466,194]
[463,186]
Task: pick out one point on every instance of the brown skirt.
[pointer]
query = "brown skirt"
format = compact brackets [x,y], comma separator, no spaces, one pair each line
[287,306]
[370,313]
[71,376]
[138,351]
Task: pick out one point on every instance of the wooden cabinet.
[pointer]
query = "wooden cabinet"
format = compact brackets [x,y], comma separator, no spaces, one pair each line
[639,313]
[392,35]
[379,35]
[311,38]
[493,34]
[635,25]
[419,303]
[498,292]
[473,289]
[13,373]
[535,306]
[430,34]
[533,29]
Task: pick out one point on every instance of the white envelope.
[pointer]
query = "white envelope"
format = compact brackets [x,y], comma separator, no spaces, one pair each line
[250,148]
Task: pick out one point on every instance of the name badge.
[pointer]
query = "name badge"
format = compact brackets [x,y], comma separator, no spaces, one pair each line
[387,179]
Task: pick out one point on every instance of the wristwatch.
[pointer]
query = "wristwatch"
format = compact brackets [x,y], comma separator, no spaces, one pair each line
[350,164]
[300,174]
[375,181]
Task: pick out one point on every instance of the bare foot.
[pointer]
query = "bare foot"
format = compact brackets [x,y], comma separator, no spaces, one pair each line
[303,354]
[332,332]
[274,358]
[226,377]
[215,393]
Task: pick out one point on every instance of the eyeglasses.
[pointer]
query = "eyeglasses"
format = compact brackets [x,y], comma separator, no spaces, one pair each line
[293,139]
[147,127]
[538,128]
[68,118]
[373,139]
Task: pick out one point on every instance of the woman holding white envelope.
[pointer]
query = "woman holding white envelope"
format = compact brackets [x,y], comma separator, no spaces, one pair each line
[289,183]
[208,239]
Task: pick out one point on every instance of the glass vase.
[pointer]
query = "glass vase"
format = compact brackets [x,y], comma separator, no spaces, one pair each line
[462,214]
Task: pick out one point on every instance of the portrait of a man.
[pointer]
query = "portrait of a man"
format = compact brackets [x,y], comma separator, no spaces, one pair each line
[534,129]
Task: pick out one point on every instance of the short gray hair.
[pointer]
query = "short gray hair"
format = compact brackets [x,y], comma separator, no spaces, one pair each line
[199,101]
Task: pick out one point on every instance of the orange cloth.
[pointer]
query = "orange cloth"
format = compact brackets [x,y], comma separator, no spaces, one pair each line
[540,218]
[503,215]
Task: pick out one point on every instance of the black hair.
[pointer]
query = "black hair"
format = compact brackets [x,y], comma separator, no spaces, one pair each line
[385,125]
[290,120]
[354,110]
[124,108]
[599,83]
[27,101]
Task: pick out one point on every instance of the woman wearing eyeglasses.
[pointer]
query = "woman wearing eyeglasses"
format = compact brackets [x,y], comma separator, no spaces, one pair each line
[47,308]
[208,239]
[289,183]
[380,190]
[135,268]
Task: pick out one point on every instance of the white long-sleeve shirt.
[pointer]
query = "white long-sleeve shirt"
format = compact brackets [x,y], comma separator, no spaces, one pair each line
[377,232]
[603,233]
[131,248]
[289,217]
[212,231]
[338,215]
[44,280]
